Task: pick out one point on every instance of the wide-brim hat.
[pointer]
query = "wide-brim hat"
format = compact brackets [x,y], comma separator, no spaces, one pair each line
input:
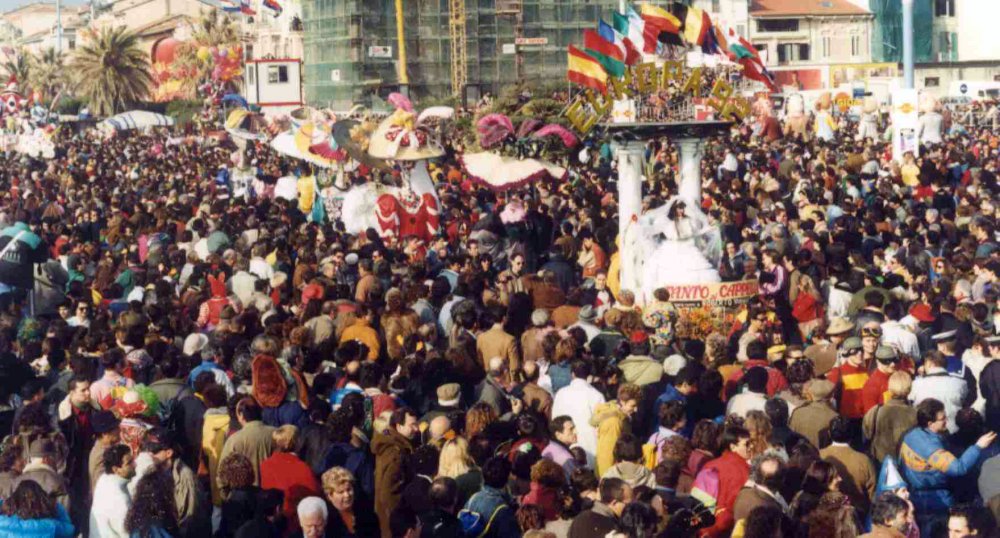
[415,145]
[840,326]
[342,135]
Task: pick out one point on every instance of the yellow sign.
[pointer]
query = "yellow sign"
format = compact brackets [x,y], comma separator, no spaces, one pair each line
[906,108]
[646,79]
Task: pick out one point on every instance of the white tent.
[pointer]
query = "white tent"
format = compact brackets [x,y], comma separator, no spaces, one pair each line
[136,119]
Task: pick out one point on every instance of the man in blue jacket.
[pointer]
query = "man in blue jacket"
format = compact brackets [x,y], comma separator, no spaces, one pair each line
[927,465]
[490,513]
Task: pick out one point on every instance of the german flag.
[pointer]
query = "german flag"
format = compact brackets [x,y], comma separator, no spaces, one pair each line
[586,71]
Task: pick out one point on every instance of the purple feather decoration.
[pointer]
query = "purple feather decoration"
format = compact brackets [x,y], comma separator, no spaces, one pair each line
[399,100]
[552,129]
[493,129]
[527,127]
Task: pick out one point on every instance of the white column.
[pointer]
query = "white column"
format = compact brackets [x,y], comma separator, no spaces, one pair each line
[691,151]
[629,155]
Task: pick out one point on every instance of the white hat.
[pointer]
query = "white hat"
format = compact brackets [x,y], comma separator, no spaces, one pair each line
[194,343]
[673,364]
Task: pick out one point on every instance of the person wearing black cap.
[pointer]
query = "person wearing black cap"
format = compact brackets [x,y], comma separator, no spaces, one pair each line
[192,505]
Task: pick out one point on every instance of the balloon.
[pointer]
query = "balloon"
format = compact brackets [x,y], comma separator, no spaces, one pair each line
[234,54]
[203,54]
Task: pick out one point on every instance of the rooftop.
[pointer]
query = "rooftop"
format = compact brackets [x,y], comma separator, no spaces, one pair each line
[772,8]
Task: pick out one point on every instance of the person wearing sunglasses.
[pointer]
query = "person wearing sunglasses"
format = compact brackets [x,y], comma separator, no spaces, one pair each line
[871,338]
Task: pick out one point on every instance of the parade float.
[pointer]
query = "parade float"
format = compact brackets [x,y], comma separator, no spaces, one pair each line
[646,77]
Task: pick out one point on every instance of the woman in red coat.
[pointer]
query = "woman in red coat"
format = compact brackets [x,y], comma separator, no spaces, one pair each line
[284,471]
[547,477]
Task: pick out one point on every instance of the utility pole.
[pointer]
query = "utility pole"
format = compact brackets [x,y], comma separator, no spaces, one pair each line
[58,27]
[404,78]
[908,44]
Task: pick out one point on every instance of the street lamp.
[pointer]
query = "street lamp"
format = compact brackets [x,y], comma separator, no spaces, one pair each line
[908,43]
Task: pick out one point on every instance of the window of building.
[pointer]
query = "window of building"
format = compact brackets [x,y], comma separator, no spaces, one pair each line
[932,82]
[826,46]
[944,8]
[715,6]
[855,45]
[793,52]
[72,44]
[250,73]
[277,74]
[778,25]
[741,30]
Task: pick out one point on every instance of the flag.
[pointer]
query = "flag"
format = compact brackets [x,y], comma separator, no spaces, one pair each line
[696,26]
[752,50]
[586,71]
[711,43]
[640,32]
[720,40]
[661,18]
[607,54]
[231,6]
[632,55]
[754,70]
[632,34]
[273,5]
[246,9]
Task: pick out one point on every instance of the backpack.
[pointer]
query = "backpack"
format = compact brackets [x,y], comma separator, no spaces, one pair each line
[475,524]
[651,451]
[170,418]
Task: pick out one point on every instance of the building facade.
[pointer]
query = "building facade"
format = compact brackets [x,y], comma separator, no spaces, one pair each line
[352,49]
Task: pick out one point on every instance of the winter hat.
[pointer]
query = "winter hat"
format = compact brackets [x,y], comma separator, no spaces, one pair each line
[448,394]
[194,343]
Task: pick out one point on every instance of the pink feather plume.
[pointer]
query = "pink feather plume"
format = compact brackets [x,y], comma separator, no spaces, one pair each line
[552,129]
[493,129]
[399,100]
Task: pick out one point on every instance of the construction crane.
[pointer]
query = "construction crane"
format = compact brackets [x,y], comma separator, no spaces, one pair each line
[459,54]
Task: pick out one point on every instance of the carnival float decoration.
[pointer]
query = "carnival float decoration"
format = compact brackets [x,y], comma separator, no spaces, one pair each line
[184,68]
[407,139]
[512,158]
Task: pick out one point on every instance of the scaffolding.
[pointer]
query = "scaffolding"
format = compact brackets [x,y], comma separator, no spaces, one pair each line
[352,47]
[459,52]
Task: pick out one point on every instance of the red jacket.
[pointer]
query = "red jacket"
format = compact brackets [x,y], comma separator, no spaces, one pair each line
[545,498]
[851,381]
[776,381]
[286,472]
[733,473]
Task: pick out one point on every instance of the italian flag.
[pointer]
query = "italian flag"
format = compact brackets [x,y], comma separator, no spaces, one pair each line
[632,26]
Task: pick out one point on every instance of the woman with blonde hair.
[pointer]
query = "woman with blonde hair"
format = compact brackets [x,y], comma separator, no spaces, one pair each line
[760,430]
[455,462]
[351,516]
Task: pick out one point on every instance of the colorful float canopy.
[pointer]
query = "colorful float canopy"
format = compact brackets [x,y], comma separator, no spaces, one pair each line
[246,125]
[136,119]
[500,173]
[285,144]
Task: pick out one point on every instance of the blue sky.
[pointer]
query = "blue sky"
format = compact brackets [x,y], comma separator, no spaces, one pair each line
[7,5]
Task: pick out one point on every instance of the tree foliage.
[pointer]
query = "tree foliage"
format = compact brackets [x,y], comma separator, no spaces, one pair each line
[111,71]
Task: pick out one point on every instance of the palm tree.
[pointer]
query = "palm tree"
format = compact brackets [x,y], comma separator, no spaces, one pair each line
[17,67]
[111,71]
[46,73]
[214,29]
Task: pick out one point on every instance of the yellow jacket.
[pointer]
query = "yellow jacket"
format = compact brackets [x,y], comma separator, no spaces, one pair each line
[213,437]
[610,421]
[365,334]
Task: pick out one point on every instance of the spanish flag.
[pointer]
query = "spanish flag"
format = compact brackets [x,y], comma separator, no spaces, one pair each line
[586,71]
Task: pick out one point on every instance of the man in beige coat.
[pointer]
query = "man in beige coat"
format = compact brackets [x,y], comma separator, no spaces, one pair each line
[812,420]
[254,438]
[496,342]
[854,468]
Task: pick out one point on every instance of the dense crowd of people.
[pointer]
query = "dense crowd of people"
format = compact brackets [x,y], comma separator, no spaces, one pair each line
[192,363]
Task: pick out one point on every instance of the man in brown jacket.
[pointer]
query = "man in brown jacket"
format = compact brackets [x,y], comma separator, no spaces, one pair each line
[766,475]
[890,517]
[392,449]
[884,425]
[854,468]
[812,420]
[535,397]
[496,342]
